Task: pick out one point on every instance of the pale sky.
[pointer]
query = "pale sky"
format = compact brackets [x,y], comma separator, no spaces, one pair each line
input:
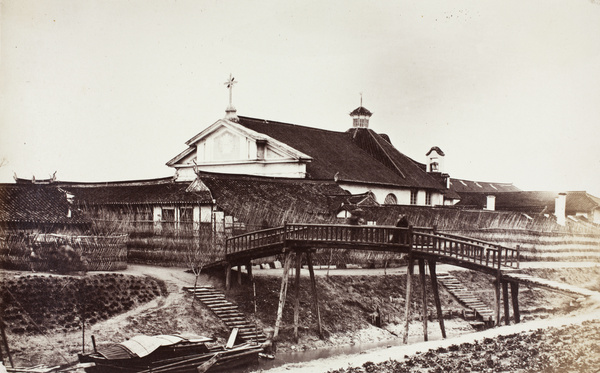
[111,90]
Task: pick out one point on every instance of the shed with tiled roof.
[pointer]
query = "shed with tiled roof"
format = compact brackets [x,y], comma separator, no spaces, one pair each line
[29,205]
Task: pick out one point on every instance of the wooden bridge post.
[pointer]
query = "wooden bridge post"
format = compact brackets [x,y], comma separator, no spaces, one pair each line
[297,300]
[436,297]
[249,271]
[505,301]
[228,277]
[282,293]
[497,293]
[409,274]
[424,305]
[239,274]
[514,292]
[314,290]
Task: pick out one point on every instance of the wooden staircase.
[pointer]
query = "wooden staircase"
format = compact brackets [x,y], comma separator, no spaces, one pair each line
[227,311]
[466,297]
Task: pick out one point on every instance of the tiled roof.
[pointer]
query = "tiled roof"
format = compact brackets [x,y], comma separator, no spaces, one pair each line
[255,198]
[158,191]
[36,203]
[468,186]
[361,110]
[532,201]
[359,154]
[437,149]
[581,201]
[522,201]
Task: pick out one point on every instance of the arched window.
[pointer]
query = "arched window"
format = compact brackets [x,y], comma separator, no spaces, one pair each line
[390,199]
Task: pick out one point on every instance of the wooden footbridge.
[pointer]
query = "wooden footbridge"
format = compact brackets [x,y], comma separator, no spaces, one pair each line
[418,244]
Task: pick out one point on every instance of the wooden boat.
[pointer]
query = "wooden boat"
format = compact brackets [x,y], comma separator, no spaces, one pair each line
[169,354]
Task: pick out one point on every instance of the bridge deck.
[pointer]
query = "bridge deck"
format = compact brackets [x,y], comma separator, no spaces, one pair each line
[419,242]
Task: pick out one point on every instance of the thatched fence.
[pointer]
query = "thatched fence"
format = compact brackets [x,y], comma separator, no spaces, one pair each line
[539,236]
[62,253]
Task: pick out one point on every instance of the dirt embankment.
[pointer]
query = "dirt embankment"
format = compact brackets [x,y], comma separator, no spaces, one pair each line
[575,348]
[45,314]
[347,304]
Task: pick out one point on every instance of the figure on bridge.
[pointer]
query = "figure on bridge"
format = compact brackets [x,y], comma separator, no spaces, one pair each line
[402,222]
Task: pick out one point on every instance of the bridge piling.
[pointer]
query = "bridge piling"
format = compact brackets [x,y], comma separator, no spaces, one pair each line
[424,287]
[407,311]
[249,271]
[313,284]
[497,293]
[436,297]
[505,301]
[228,276]
[297,288]
[514,292]
[282,293]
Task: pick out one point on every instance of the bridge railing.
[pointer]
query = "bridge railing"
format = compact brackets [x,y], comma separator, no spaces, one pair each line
[366,234]
[506,256]
[467,249]
[415,238]
[254,240]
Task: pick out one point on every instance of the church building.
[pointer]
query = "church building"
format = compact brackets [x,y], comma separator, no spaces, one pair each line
[359,160]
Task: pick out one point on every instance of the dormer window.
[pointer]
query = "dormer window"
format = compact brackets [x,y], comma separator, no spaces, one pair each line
[261,149]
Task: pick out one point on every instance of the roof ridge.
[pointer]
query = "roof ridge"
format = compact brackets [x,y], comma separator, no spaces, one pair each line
[288,124]
[371,132]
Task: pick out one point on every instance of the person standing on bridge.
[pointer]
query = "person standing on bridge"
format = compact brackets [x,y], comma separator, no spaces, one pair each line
[402,222]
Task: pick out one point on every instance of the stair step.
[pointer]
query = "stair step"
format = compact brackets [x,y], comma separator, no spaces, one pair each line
[224,306]
[227,311]
[207,295]
[233,319]
[215,301]
[223,312]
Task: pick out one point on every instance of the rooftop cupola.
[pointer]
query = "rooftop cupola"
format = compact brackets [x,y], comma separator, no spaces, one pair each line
[360,116]
[435,160]
[230,112]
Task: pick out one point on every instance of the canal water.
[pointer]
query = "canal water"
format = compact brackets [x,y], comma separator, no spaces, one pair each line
[289,357]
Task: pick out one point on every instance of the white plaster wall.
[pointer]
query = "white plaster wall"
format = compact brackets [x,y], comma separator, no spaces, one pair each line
[402,195]
[205,214]
[196,218]
[277,169]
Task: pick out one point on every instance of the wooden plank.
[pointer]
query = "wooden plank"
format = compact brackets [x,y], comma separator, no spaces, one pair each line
[297,288]
[514,292]
[314,290]
[232,338]
[436,296]
[228,276]
[497,300]
[505,300]
[282,293]
[407,311]
[424,298]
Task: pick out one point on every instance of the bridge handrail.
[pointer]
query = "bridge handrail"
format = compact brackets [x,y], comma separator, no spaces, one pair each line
[481,252]
[255,239]
[422,239]
[510,255]
[377,234]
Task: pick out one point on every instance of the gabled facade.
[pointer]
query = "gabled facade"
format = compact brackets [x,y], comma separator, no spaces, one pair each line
[228,147]
[358,160]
